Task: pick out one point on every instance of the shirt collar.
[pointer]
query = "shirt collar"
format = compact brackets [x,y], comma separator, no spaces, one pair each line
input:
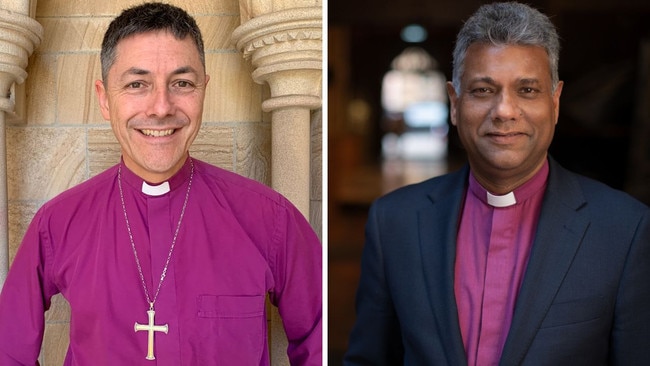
[160,189]
[519,195]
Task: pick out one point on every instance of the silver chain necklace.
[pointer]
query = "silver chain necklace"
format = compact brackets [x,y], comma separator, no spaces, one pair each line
[151,327]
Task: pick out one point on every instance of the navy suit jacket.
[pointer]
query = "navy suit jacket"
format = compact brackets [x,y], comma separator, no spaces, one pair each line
[585,298]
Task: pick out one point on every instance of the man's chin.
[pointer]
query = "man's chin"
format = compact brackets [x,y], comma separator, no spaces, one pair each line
[158,167]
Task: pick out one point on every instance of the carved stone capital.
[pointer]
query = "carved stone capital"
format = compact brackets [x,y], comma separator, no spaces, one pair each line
[19,36]
[285,50]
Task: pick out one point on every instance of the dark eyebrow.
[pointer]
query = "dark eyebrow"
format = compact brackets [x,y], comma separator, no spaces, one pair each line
[489,80]
[136,71]
[528,81]
[484,79]
[184,70]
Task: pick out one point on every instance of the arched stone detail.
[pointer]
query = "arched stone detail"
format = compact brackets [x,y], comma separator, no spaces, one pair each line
[285,50]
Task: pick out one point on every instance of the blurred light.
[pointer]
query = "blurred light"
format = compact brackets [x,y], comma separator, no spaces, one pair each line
[430,114]
[414,33]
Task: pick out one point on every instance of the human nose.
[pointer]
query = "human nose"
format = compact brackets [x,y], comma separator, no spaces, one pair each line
[161,103]
[506,107]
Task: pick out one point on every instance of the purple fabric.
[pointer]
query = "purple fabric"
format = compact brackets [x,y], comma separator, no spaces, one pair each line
[238,242]
[491,256]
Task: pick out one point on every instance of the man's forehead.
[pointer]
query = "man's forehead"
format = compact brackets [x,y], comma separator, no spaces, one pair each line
[155,41]
[515,63]
[139,55]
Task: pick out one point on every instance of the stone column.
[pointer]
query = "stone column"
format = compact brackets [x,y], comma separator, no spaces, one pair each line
[19,36]
[285,50]
[283,41]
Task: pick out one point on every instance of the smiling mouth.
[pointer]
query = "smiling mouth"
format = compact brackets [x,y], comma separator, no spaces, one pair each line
[504,138]
[157,133]
[504,135]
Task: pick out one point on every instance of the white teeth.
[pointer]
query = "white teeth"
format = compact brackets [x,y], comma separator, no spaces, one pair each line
[157,133]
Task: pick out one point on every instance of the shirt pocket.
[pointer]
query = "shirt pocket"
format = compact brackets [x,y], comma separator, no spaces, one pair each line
[231,330]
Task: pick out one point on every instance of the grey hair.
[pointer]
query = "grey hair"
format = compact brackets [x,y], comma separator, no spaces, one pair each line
[508,23]
[148,17]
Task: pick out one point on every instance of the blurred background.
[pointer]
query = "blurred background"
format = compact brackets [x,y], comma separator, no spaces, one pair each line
[388,122]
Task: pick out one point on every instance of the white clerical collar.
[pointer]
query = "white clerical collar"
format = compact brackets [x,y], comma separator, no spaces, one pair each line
[157,190]
[506,200]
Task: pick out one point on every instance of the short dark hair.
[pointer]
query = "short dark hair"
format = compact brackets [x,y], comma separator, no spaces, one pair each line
[147,17]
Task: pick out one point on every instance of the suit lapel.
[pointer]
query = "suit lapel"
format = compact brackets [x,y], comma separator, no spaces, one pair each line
[559,234]
[437,237]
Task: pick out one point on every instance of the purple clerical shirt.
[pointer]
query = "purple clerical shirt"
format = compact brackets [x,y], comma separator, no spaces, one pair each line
[492,251]
[239,243]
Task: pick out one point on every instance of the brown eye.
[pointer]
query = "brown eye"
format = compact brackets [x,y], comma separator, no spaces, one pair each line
[183,86]
[528,92]
[480,91]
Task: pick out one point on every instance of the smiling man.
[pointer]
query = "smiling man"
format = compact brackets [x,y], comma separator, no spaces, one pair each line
[512,260]
[152,93]
[163,258]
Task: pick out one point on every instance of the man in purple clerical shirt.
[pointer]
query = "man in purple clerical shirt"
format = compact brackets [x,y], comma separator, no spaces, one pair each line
[511,260]
[164,259]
